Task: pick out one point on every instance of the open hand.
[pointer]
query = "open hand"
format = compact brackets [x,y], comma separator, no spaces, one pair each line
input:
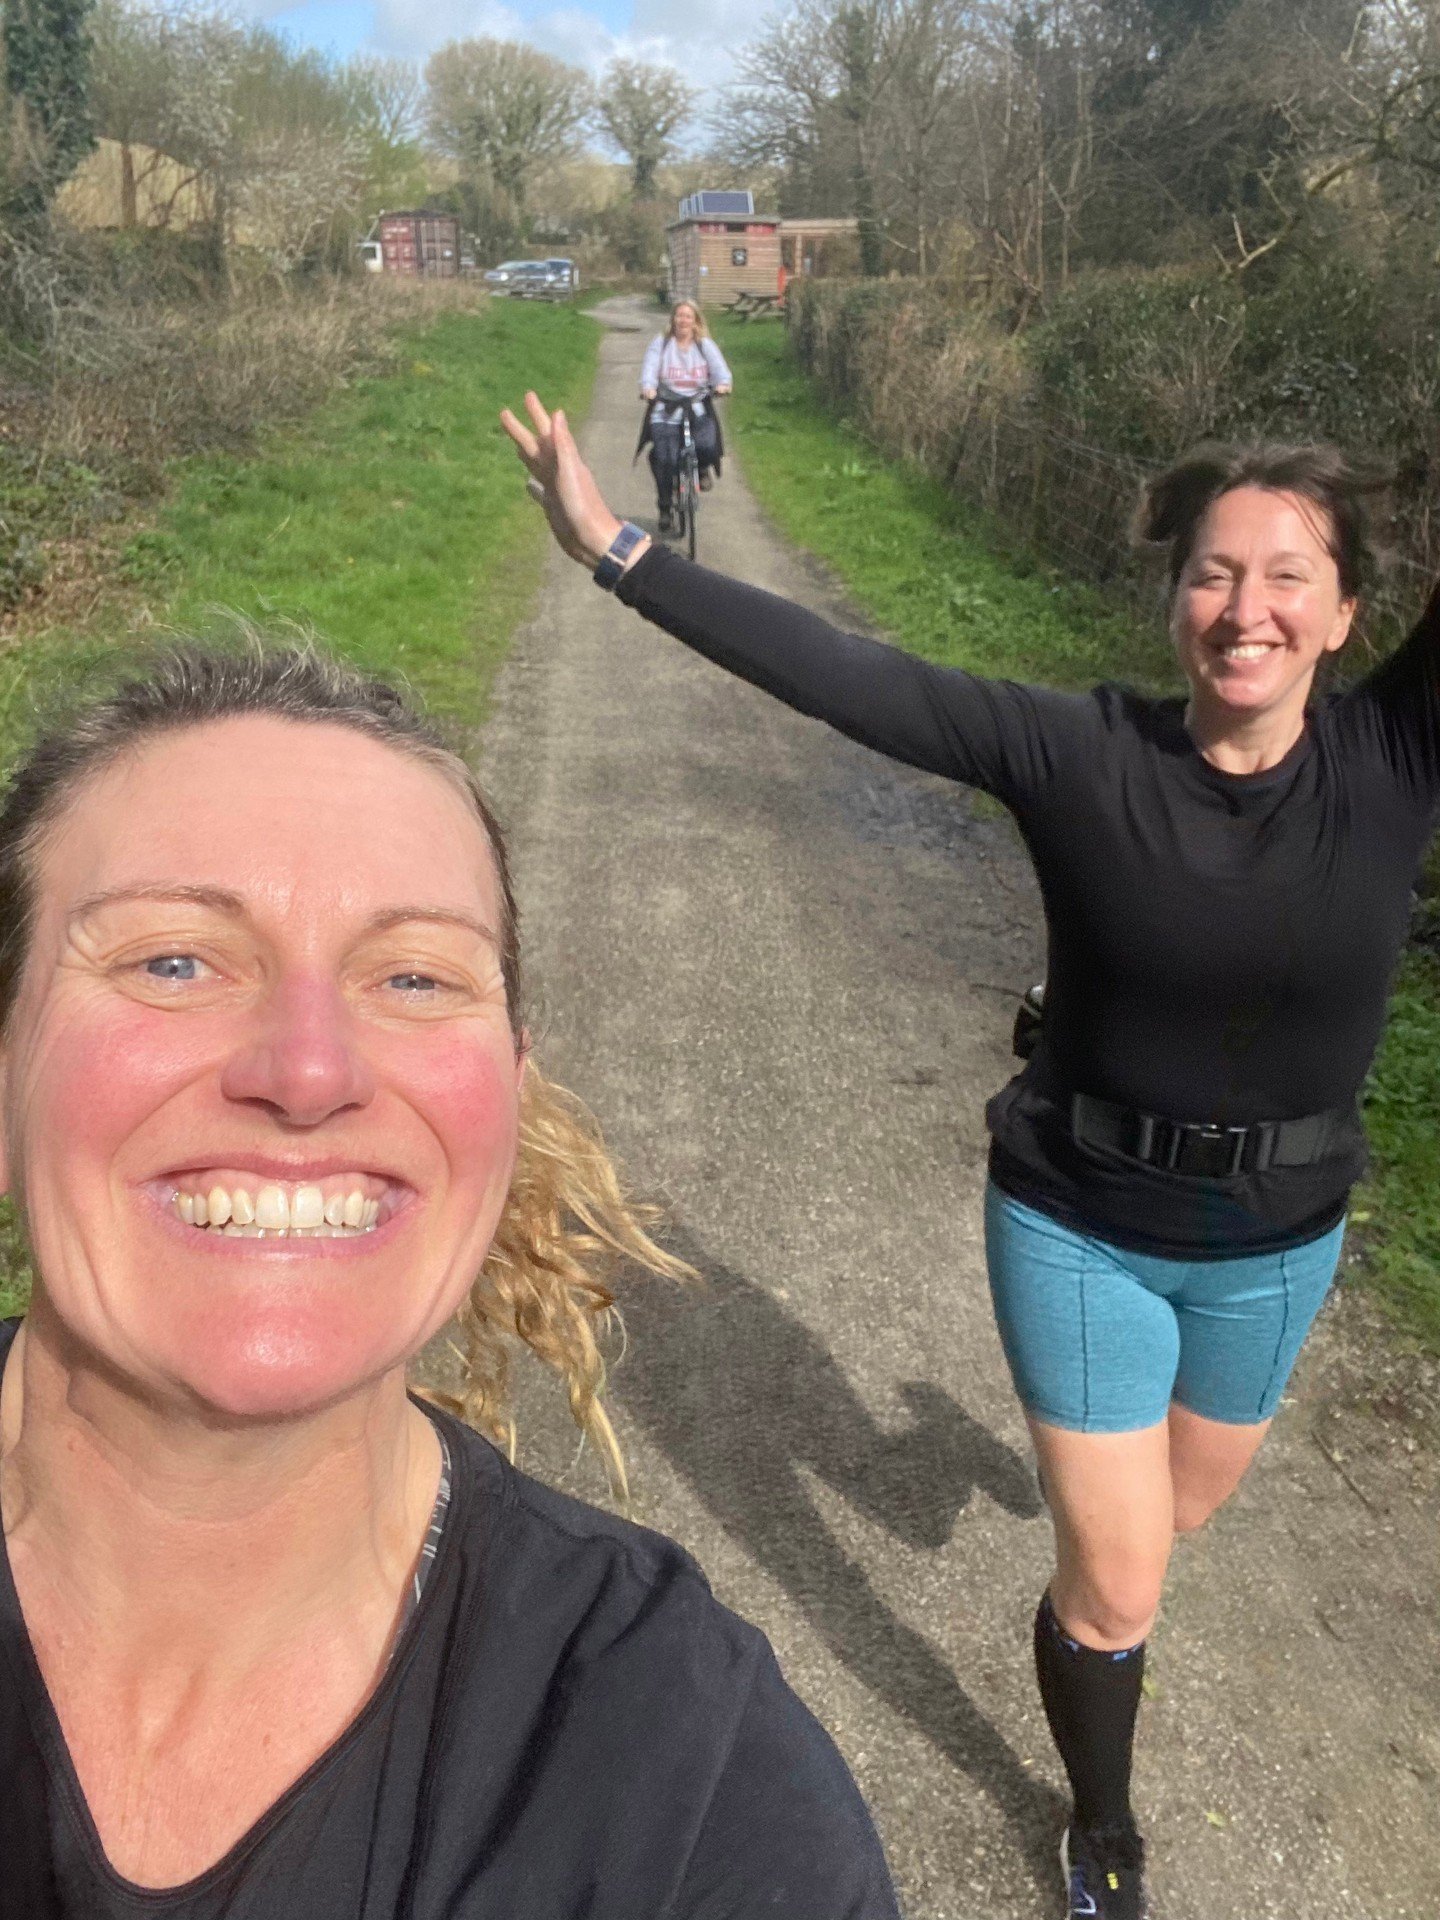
[562,483]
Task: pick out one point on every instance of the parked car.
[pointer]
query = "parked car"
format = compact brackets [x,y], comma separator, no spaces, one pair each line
[531,279]
[510,273]
[570,271]
[518,276]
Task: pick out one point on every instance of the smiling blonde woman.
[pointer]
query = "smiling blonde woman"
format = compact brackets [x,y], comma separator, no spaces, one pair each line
[276,1638]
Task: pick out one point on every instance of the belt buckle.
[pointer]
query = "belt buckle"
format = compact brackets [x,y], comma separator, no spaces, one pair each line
[1217,1150]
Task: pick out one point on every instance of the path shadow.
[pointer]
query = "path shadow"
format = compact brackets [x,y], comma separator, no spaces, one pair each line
[740,1397]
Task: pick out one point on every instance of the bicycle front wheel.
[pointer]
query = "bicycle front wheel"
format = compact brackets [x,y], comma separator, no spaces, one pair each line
[690,498]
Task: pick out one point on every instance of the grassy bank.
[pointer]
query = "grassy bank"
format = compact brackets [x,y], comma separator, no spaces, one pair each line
[914,558]
[392,520]
[920,567]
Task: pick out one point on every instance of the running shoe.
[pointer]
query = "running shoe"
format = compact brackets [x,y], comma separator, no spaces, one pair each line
[1104,1871]
[706,481]
[667,521]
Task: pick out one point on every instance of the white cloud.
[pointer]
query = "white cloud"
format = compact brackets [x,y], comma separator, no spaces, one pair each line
[415,28]
[702,49]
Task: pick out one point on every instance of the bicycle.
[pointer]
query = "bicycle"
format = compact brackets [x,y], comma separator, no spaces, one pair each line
[687,478]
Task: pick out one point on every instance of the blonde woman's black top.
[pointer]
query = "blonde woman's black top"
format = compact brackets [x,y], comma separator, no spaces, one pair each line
[1220,946]
[571,1726]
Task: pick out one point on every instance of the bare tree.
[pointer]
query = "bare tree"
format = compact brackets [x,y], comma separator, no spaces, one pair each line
[812,97]
[639,109]
[922,139]
[386,96]
[130,89]
[296,188]
[504,109]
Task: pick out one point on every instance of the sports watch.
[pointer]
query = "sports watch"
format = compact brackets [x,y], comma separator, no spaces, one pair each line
[612,561]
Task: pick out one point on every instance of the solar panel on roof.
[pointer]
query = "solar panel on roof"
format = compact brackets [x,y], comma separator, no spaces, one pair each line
[712,202]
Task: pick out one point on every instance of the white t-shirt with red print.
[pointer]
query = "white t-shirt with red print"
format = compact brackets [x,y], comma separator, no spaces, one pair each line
[693,369]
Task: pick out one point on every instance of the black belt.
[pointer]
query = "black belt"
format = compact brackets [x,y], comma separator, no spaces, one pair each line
[1201,1147]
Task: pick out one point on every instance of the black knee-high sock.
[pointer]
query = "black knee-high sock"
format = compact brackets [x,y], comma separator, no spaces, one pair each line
[1091,1699]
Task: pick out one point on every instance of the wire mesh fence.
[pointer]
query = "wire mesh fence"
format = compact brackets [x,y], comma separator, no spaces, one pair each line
[954,406]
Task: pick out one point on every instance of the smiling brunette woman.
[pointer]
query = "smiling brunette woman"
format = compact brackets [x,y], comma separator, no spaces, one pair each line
[1227,883]
[276,1639]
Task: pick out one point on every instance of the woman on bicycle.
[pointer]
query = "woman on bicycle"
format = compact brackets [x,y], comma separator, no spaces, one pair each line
[1227,880]
[683,360]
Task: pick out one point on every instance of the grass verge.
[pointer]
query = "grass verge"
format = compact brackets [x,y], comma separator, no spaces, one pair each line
[918,564]
[392,520]
[914,559]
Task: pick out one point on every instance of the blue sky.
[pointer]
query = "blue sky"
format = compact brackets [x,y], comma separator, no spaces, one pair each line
[698,41]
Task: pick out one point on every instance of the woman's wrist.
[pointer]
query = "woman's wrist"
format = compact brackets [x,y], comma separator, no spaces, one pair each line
[597,539]
[641,546]
[637,552]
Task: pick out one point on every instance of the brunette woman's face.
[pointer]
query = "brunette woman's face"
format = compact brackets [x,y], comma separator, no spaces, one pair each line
[682,324]
[260,1085]
[1258,604]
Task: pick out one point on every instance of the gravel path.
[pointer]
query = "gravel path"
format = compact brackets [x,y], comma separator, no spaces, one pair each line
[778,967]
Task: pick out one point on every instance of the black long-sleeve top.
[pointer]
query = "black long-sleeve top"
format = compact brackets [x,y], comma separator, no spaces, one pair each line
[1220,945]
[572,1728]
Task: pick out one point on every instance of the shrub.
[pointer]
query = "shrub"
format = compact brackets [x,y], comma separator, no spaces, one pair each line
[1052,431]
[1139,363]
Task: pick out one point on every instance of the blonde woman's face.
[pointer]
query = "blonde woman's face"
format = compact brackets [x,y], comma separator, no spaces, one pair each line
[260,1088]
[682,323]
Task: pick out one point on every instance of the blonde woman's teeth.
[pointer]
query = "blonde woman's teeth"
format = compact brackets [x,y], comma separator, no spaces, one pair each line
[276,1211]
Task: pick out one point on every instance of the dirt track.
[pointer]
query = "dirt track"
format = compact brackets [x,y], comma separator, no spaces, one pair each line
[777,966]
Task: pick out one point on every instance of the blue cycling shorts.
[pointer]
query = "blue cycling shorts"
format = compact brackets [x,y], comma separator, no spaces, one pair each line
[1101,1340]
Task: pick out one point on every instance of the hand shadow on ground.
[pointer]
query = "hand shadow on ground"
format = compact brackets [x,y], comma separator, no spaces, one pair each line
[740,1396]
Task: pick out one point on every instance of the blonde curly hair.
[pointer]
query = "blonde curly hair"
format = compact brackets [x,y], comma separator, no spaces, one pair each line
[567,1221]
[567,1224]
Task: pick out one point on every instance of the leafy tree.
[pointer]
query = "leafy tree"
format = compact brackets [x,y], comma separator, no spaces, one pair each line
[504,110]
[635,230]
[1160,28]
[46,47]
[384,101]
[640,108]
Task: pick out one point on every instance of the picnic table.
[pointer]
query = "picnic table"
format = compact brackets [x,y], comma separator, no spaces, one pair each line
[754,306]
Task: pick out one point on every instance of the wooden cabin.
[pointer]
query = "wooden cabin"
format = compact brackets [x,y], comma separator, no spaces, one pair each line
[720,247]
[824,246]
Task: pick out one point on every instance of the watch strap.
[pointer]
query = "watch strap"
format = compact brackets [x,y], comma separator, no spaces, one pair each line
[612,561]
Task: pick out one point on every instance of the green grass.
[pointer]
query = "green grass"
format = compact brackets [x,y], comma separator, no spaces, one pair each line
[396,521]
[393,520]
[912,557]
[919,565]
[1398,1208]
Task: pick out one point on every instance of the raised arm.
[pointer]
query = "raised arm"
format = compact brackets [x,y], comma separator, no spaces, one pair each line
[990,734]
[1395,709]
